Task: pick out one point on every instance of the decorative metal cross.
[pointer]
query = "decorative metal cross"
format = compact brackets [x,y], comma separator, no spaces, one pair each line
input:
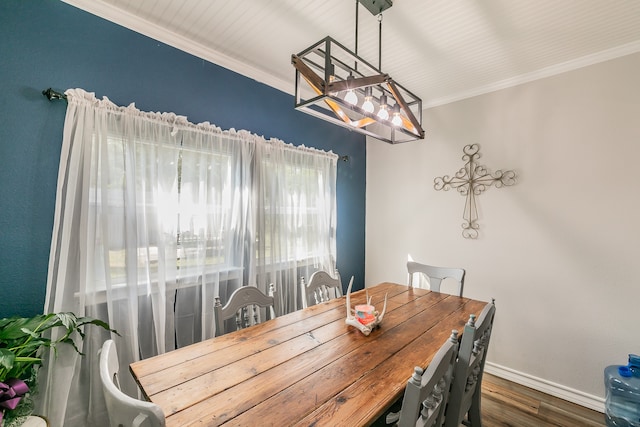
[472,180]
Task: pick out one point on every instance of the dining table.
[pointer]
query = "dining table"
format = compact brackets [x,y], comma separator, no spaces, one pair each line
[307,367]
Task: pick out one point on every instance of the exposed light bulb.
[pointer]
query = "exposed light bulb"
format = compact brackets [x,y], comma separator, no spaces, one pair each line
[367,105]
[383,113]
[351,97]
[397,120]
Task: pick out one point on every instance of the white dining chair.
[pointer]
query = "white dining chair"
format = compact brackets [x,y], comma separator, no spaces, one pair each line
[464,402]
[320,288]
[436,275]
[427,392]
[245,306]
[122,409]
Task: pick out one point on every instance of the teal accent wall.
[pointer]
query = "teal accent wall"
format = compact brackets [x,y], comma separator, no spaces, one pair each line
[48,43]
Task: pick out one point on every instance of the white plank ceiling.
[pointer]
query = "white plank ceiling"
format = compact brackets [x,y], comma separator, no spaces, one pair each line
[442,50]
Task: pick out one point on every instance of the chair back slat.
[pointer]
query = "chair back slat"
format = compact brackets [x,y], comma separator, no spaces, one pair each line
[244,306]
[469,368]
[436,275]
[427,393]
[320,288]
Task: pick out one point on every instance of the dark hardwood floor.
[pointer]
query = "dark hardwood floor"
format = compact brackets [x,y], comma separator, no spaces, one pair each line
[505,403]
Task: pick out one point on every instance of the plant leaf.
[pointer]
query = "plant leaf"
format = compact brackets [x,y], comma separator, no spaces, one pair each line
[6,358]
[23,339]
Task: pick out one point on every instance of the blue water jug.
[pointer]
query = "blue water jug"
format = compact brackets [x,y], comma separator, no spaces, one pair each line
[622,388]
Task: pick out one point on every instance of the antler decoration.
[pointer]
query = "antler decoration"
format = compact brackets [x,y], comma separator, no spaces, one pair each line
[361,324]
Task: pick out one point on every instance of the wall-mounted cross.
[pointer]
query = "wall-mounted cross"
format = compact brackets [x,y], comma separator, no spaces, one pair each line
[472,180]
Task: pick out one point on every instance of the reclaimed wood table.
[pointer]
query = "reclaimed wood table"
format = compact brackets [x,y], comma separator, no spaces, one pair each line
[306,368]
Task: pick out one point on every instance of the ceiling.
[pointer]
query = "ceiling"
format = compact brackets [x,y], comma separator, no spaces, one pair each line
[441,50]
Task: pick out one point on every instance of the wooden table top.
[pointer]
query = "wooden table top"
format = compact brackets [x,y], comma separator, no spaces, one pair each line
[306,368]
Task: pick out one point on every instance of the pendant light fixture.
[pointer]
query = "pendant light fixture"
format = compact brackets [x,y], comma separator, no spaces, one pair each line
[335,84]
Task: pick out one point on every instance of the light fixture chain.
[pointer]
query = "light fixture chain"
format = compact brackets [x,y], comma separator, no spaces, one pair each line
[380,41]
[356,51]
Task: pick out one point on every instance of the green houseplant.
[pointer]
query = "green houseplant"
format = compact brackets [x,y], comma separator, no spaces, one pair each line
[22,341]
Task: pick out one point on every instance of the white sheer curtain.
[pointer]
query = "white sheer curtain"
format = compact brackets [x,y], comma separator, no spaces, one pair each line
[296,218]
[154,217]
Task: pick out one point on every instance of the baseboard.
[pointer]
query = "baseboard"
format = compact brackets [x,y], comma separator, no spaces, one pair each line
[575,396]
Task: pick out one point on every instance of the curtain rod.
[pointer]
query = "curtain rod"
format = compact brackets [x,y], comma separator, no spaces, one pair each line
[52,94]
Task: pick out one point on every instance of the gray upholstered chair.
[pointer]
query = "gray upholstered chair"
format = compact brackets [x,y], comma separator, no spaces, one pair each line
[436,275]
[245,306]
[124,410]
[321,287]
[427,392]
[464,401]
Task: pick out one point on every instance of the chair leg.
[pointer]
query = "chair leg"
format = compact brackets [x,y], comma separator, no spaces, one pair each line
[475,418]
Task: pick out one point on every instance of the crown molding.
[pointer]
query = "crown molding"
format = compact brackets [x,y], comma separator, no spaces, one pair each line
[605,55]
[154,31]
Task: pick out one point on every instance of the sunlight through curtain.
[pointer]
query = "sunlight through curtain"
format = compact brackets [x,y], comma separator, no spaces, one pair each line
[155,216]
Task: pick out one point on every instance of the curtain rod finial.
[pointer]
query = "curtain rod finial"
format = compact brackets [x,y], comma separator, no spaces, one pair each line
[52,94]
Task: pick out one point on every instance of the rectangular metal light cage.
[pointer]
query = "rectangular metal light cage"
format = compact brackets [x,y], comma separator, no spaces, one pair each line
[326,71]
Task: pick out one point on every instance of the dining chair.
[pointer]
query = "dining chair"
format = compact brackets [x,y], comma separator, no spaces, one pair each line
[245,306]
[436,275]
[467,375]
[427,392]
[321,287]
[122,409]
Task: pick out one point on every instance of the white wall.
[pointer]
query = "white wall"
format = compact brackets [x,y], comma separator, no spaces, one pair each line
[559,250]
